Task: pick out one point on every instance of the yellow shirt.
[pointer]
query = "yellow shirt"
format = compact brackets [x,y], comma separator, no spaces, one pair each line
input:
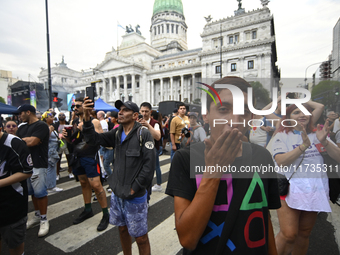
[176,126]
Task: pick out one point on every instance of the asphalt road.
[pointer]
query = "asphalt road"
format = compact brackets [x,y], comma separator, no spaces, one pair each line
[65,238]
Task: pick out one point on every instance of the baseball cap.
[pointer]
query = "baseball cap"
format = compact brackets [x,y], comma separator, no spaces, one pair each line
[26,107]
[193,114]
[128,104]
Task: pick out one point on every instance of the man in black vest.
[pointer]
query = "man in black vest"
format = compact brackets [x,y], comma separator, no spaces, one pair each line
[155,130]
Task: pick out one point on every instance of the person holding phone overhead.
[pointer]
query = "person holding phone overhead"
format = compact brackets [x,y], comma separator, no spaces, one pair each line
[85,165]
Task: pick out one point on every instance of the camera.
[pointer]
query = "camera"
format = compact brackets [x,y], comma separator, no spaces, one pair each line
[140,116]
[186,132]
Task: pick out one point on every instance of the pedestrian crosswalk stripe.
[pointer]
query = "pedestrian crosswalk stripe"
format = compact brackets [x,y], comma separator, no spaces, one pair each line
[75,236]
[159,244]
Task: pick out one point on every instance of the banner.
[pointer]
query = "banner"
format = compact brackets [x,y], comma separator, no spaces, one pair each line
[9,100]
[33,98]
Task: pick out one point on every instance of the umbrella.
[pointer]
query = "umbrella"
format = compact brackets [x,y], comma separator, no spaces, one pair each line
[7,109]
[100,105]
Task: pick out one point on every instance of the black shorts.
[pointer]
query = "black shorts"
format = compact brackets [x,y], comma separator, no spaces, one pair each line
[14,234]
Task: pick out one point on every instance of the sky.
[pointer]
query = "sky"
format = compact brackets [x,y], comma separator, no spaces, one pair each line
[84,30]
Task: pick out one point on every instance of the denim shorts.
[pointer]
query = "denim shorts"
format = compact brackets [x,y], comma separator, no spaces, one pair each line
[87,166]
[14,234]
[37,183]
[132,213]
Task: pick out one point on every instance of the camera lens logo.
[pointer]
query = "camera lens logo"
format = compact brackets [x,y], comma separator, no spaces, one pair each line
[213,90]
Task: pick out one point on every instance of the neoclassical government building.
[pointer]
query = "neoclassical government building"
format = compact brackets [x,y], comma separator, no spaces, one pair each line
[241,45]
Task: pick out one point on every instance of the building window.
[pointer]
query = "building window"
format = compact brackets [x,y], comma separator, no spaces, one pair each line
[253,35]
[217,69]
[248,36]
[137,84]
[231,39]
[233,67]
[176,29]
[159,29]
[236,38]
[251,64]
[189,61]
[75,81]
[162,29]
[172,28]
[155,30]
[168,28]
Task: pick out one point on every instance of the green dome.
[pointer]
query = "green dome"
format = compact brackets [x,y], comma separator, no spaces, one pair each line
[168,5]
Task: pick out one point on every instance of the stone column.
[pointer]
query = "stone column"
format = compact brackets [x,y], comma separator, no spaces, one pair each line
[111,89]
[147,91]
[117,88]
[104,95]
[192,87]
[152,92]
[125,88]
[182,88]
[133,87]
[161,95]
[171,88]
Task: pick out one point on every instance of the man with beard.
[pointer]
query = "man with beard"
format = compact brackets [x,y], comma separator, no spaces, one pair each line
[36,135]
[87,168]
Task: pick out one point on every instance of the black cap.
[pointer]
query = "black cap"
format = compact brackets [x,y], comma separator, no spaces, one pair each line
[128,104]
[26,107]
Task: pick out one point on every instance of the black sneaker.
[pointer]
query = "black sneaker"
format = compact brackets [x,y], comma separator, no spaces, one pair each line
[83,216]
[104,222]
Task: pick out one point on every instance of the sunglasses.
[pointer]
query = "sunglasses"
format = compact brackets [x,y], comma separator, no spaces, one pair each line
[77,105]
[9,126]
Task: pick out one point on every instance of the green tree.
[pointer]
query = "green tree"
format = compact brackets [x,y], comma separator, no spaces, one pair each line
[2,100]
[325,93]
[260,93]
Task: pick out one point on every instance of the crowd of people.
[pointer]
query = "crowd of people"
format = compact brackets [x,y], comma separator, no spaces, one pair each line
[215,211]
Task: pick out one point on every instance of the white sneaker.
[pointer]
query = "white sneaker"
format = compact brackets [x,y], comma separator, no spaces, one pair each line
[56,189]
[58,177]
[70,175]
[34,221]
[109,189]
[44,228]
[157,187]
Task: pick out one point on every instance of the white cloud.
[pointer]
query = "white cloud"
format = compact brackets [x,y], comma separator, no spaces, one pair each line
[84,30]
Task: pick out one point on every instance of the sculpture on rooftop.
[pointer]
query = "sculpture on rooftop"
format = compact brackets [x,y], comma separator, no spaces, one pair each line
[137,30]
[264,2]
[129,29]
[239,4]
[208,19]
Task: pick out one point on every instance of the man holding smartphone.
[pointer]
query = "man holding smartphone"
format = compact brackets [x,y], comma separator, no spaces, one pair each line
[86,166]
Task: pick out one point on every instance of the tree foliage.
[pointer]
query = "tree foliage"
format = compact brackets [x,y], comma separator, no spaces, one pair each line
[2,100]
[261,94]
[325,93]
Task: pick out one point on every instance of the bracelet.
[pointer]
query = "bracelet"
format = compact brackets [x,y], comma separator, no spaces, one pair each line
[300,148]
[304,146]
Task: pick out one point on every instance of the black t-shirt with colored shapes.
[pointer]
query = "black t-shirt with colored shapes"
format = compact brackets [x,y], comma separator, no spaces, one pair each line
[14,158]
[250,232]
[39,152]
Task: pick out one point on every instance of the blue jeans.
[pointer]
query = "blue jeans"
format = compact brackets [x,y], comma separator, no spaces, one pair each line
[36,184]
[108,159]
[158,168]
[51,176]
[173,152]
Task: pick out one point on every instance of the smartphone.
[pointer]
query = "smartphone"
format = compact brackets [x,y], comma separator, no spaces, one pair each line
[90,93]
[140,116]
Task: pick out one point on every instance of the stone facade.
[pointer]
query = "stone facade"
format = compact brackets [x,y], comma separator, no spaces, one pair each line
[167,70]
[336,52]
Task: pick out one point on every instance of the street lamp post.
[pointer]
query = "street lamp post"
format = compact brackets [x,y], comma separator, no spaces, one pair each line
[48,59]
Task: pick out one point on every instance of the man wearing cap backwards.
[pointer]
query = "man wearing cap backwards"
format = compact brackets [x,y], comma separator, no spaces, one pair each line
[86,167]
[36,135]
[133,172]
